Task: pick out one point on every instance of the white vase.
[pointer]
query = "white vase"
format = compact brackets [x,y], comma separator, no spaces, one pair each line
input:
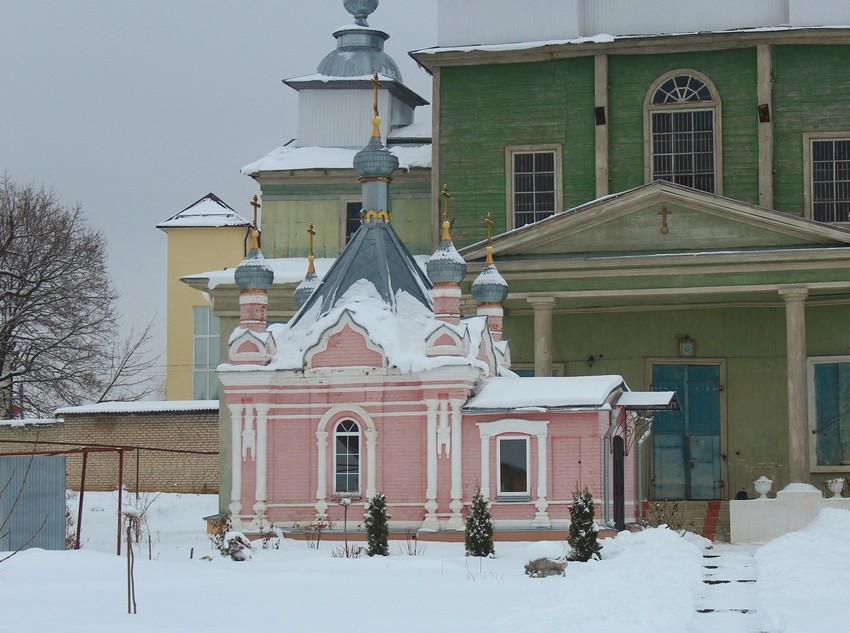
[763,486]
[836,485]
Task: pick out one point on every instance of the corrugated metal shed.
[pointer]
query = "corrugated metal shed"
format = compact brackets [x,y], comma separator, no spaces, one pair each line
[32,502]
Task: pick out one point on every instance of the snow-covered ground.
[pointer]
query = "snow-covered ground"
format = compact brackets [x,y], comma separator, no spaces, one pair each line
[647,581]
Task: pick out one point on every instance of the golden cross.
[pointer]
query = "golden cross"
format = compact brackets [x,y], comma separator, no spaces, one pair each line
[664,213]
[256,204]
[376,119]
[446,225]
[489,221]
[310,233]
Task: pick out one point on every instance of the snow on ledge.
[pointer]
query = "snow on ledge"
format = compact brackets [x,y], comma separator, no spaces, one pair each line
[291,157]
[143,406]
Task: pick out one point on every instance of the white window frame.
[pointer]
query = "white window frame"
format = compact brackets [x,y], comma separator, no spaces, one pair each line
[712,105]
[211,342]
[812,395]
[357,433]
[510,152]
[500,439]
[557,368]
[808,156]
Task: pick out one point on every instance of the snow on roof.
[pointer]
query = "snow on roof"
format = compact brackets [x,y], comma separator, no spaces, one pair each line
[209,211]
[646,399]
[291,157]
[418,129]
[24,422]
[287,270]
[333,79]
[545,393]
[604,38]
[143,406]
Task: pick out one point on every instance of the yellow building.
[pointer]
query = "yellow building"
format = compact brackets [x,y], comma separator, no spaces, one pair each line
[206,235]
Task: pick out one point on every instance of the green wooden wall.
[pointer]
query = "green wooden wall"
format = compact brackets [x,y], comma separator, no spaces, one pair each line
[484,109]
[810,94]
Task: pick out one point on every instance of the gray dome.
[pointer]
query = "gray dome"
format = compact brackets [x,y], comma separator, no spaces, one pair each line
[305,289]
[375,160]
[489,286]
[446,265]
[359,52]
[254,272]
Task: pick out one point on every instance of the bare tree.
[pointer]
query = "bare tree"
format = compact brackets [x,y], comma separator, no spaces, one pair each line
[130,375]
[58,320]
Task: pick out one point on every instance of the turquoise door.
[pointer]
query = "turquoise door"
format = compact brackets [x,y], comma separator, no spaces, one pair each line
[686,443]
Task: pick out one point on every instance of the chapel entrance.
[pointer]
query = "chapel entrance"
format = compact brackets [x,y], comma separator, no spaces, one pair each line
[686,443]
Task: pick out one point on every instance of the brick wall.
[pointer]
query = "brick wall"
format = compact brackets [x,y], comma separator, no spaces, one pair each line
[147,468]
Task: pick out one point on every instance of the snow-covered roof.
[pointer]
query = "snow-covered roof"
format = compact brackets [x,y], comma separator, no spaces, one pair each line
[603,38]
[545,393]
[142,406]
[646,399]
[209,211]
[287,270]
[416,130]
[24,422]
[290,157]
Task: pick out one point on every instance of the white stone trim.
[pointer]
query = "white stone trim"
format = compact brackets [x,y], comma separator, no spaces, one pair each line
[456,520]
[431,522]
[236,412]
[262,411]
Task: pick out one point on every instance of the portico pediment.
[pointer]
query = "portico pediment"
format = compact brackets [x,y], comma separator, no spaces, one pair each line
[659,218]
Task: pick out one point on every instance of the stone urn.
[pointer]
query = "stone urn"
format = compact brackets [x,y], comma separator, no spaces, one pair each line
[763,486]
[836,485]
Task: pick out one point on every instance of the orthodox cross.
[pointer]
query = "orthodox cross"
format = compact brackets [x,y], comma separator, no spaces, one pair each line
[376,119]
[256,204]
[255,232]
[489,221]
[310,233]
[664,213]
[446,235]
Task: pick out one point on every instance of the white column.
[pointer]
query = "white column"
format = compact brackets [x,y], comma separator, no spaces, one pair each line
[485,466]
[262,411]
[798,422]
[431,522]
[456,519]
[235,464]
[543,309]
[371,463]
[541,519]
[322,474]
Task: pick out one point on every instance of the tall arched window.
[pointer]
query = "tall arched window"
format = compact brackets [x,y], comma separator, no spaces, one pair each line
[347,457]
[683,121]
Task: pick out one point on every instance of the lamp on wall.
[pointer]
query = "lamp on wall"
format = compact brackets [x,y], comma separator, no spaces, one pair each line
[590,360]
[764,112]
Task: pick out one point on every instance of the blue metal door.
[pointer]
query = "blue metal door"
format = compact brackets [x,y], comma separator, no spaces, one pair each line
[686,443]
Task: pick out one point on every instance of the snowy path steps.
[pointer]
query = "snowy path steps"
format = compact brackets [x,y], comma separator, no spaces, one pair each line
[727,599]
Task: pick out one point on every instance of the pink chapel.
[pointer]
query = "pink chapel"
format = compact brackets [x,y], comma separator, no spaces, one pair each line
[378,385]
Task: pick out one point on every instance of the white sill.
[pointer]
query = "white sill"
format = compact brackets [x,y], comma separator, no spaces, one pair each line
[513,498]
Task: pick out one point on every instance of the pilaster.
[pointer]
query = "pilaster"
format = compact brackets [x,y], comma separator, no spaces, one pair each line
[798,426]
[543,309]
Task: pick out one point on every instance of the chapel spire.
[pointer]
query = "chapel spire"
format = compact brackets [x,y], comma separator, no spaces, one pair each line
[250,342]
[311,280]
[446,269]
[490,289]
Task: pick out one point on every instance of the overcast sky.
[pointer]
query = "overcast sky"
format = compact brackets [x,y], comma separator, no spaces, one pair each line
[136,109]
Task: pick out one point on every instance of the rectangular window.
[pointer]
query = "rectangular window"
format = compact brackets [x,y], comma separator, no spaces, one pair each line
[526,370]
[534,183]
[683,148]
[829,379]
[353,208]
[513,467]
[205,353]
[829,184]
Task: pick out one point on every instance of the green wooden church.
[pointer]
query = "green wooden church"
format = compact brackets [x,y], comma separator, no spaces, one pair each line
[670,190]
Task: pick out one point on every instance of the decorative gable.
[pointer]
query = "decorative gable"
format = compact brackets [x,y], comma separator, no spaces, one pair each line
[345,344]
[446,341]
[247,347]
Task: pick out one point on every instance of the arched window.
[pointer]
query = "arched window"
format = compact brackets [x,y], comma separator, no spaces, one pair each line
[347,457]
[683,120]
